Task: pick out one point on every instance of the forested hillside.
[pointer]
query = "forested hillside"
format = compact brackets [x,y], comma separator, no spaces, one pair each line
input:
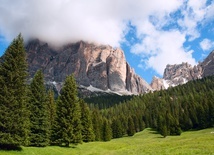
[171,111]
[31,117]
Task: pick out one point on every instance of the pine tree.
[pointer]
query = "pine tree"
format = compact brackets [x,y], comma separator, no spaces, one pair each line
[131,127]
[107,133]
[87,128]
[97,124]
[52,112]
[68,125]
[164,131]
[136,123]
[14,122]
[116,127]
[39,116]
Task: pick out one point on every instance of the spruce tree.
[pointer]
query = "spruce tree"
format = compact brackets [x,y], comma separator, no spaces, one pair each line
[116,127]
[131,127]
[14,122]
[107,132]
[87,128]
[52,113]
[68,125]
[97,124]
[39,116]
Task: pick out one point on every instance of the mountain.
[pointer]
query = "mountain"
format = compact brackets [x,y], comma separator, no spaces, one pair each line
[95,67]
[208,65]
[178,74]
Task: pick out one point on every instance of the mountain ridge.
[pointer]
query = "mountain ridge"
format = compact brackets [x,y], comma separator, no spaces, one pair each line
[99,66]
[178,74]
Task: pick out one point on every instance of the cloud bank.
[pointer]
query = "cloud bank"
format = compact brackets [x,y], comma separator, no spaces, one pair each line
[162,27]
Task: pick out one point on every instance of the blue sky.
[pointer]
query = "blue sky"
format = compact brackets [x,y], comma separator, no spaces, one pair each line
[152,33]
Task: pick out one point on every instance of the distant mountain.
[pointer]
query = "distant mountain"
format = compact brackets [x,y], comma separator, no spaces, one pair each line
[98,68]
[182,73]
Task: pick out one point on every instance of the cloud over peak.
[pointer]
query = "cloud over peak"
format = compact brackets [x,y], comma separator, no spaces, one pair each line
[162,27]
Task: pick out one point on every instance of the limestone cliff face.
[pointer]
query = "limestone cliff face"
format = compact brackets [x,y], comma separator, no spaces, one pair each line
[99,66]
[208,65]
[177,74]
[181,73]
[157,83]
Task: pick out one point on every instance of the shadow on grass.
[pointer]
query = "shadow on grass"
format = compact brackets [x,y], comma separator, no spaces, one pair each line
[153,131]
[10,147]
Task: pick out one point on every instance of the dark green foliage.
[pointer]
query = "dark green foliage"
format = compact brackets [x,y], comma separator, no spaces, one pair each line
[106,101]
[87,128]
[97,124]
[39,116]
[107,133]
[14,122]
[163,131]
[170,112]
[68,125]
[51,107]
[136,123]
[52,113]
[116,127]
[131,128]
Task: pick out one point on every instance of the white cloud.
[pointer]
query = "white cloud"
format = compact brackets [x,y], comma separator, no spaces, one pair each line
[70,20]
[106,22]
[210,12]
[193,12]
[207,44]
[161,48]
[61,21]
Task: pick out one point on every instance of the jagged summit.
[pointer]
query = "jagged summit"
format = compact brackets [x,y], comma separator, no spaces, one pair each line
[208,65]
[98,66]
[181,73]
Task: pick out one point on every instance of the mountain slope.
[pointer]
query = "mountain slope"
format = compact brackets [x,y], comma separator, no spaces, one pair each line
[94,66]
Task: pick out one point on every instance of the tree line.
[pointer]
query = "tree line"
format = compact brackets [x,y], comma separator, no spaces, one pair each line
[30,116]
[169,112]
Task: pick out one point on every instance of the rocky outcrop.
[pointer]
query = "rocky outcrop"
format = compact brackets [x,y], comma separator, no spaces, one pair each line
[181,73]
[99,66]
[176,75]
[157,83]
[208,65]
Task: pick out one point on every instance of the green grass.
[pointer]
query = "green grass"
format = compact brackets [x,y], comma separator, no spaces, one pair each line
[146,142]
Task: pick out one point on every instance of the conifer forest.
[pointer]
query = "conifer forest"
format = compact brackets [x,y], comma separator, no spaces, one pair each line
[30,115]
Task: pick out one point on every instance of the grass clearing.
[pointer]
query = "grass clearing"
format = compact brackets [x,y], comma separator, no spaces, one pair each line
[146,142]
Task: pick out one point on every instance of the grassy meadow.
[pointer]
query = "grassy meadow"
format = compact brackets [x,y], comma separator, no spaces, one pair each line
[146,142]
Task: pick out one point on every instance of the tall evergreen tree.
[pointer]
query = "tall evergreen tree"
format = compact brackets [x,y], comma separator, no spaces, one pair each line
[116,127]
[68,125]
[131,127]
[107,133]
[14,122]
[87,127]
[52,112]
[39,116]
[97,124]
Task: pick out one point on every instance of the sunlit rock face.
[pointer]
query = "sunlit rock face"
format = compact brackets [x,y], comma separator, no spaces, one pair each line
[178,74]
[99,66]
[208,65]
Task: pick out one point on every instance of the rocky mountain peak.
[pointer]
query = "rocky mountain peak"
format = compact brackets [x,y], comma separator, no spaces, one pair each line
[99,66]
[157,83]
[181,73]
[208,65]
